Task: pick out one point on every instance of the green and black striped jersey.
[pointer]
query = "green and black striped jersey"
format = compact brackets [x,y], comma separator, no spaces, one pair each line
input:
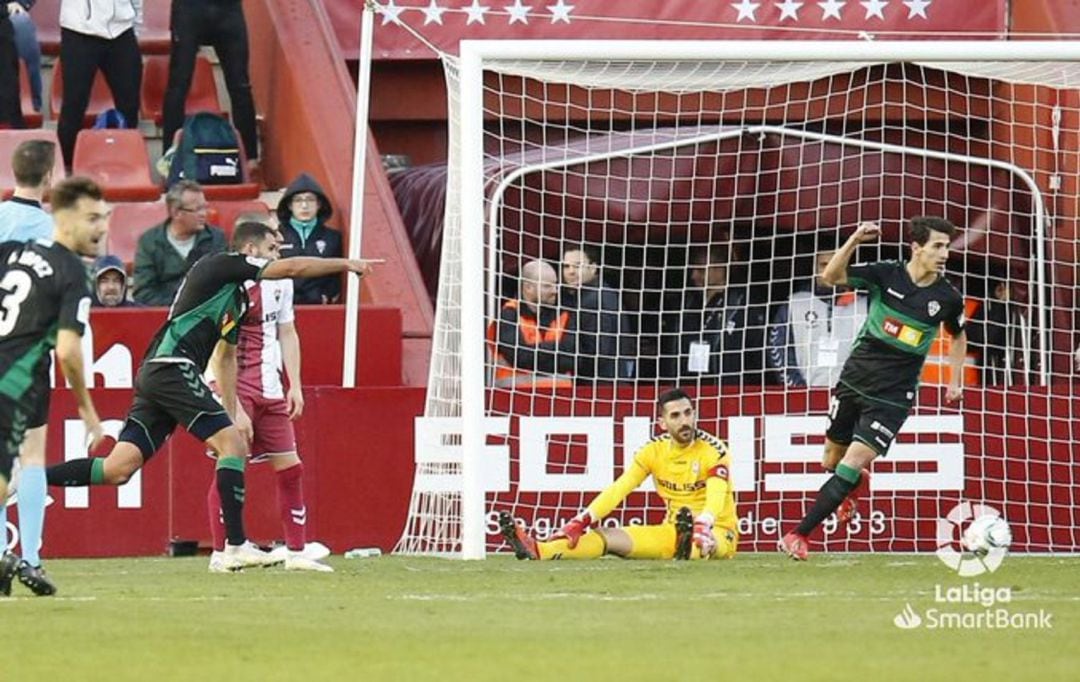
[42,289]
[208,307]
[902,321]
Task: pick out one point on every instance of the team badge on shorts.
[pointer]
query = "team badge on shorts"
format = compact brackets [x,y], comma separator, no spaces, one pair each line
[933,307]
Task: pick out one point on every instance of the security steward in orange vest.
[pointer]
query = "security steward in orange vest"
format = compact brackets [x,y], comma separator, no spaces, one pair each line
[533,343]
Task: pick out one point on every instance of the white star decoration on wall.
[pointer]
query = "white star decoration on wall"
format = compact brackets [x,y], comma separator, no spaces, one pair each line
[789,9]
[875,8]
[831,8]
[746,9]
[476,13]
[517,12]
[433,14]
[560,11]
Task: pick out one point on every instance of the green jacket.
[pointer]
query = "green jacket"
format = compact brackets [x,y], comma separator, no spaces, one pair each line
[159,269]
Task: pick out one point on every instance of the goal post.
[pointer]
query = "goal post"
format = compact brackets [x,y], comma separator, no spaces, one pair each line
[883,129]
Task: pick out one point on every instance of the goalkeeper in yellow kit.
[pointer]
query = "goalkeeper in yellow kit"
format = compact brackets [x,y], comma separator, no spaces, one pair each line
[690,469]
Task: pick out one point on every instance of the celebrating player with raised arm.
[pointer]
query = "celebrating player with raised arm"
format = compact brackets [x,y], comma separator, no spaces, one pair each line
[169,389]
[44,303]
[877,386]
[690,469]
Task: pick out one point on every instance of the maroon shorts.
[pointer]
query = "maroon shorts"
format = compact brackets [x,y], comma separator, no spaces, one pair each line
[274,433]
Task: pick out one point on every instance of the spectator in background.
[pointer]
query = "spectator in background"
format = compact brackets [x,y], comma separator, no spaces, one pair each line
[110,284]
[302,214]
[1001,333]
[533,341]
[167,251]
[219,23]
[602,330]
[22,218]
[10,107]
[98,34]
[813,332]
[28,48]
[718,334]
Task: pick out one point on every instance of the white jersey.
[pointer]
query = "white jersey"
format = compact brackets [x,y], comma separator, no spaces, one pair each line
[258,356]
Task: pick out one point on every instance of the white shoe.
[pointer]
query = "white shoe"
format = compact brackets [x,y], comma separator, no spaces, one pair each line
[316,551]
[239,557]
[217,562]
[296,561]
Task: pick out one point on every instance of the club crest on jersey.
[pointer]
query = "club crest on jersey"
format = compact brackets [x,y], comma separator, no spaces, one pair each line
[320,246]
[933,307]
[811,318]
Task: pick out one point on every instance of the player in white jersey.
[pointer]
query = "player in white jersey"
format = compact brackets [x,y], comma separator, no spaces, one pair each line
[268,344]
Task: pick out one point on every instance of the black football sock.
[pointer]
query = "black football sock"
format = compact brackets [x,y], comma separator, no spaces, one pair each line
[77,472]
[835,490]
[230,485]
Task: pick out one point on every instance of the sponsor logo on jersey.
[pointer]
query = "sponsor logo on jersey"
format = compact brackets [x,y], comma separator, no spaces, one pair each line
[902,332]
[680,487]
[933,308]
[894,292]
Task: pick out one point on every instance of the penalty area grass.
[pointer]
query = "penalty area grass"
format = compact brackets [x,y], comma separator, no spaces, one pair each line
[757,617]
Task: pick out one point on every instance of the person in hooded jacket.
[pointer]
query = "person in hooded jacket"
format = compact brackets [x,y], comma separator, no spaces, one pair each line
[302,214]
[111,284]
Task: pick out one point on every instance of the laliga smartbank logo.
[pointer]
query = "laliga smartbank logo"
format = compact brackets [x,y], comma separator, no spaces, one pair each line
[983,536]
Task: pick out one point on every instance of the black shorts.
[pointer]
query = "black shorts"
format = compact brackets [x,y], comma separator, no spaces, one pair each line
[853,416]
[14,421]
[167,394]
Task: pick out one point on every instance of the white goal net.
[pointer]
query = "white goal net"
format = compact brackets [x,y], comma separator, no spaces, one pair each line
[667,205]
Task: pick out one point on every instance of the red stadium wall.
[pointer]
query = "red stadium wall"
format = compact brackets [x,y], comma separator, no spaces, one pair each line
[356,485]
[356,445]
[1010,450]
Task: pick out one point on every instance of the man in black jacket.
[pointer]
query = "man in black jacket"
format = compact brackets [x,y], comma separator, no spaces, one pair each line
[302,213]
[10,107]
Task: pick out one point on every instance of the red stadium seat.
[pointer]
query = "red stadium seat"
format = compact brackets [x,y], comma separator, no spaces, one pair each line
[116,159]
[100,96]
[46,14]
[129,221]
[153,35]
[224,213]
[9,139]
[203,95]
[30,117]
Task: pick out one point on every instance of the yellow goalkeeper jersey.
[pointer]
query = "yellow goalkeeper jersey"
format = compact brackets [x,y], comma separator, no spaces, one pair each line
[697,476]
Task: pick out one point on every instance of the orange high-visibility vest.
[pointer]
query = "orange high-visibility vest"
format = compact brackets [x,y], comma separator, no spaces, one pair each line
[529,333]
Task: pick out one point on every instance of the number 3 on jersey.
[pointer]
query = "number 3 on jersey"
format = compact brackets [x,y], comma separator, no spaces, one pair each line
[14,289]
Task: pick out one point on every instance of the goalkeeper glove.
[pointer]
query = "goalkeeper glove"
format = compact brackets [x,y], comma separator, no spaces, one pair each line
[575,528]
[703,535]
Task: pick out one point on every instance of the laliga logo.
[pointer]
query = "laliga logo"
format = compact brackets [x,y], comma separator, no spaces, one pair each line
[986,538]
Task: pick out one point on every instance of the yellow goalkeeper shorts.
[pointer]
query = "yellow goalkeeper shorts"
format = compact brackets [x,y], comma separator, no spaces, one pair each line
[658,542]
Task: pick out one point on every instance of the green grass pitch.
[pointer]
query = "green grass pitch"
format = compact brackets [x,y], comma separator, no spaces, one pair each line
[758,617]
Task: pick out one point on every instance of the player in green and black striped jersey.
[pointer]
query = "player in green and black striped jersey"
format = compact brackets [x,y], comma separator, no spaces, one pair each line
[908,304]
[203,322]
[44,304]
